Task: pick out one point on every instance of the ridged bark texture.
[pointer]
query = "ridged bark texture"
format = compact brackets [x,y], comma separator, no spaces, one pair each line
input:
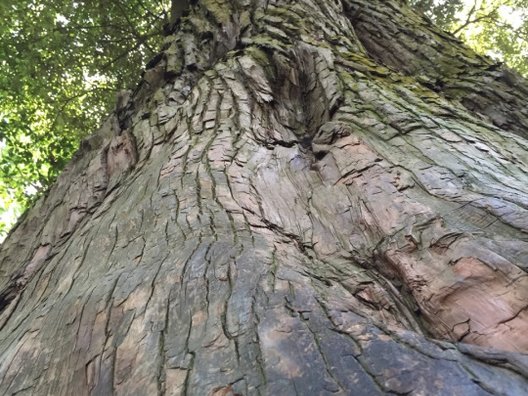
[310,197]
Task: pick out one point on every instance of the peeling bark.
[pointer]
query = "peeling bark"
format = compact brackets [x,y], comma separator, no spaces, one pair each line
[300,198]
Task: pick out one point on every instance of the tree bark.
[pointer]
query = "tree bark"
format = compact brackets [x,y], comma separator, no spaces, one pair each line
[310,197]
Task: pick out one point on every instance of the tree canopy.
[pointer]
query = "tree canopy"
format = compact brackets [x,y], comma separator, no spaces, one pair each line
[62,62]
[497,28]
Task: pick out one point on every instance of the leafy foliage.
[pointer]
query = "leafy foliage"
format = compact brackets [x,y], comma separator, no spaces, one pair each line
[444,13]
[498,28]
[61,62]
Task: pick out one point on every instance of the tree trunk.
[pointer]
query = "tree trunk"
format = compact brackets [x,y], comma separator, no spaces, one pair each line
[310,197]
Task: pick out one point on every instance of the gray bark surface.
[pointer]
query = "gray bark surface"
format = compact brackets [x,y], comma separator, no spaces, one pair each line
[310,197]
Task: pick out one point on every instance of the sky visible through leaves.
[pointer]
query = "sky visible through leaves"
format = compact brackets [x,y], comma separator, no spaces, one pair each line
[62,62]
[497,28]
